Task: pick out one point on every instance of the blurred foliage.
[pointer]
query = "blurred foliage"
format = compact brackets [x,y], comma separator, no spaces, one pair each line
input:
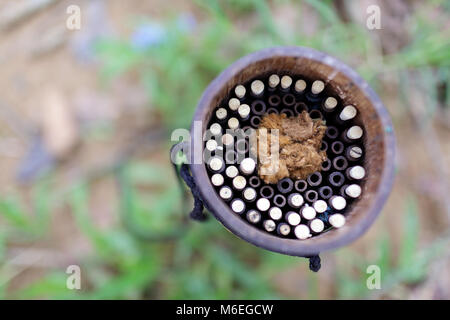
[175,60]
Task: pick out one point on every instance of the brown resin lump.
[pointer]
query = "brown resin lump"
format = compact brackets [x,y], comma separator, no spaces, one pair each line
[299,139]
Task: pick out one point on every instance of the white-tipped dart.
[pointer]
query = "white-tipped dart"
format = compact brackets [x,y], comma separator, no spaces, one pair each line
[356,172]
[227,139]
[353,191]
[275,213]
[211,145]
[239,182]
[295,200]
[247,166]
[354,153]
[257,87]
[217,179]
[300,86]
[240,91]
[263,204]
[330,103]
[286,82]
[225,193]
[338,202]
[337,220]
[215,129]
[221,113]
[302,232]
[244,111]
[233,123]
[234,104]
[320,206]
[231,171]
[293,218]
[253,216]
[348,113]
[283,229]
[354,133]
[216,164]
[269,225]
[317,87]
[274,80]
[238,206]
[249,194]
[308,212]
[316,225]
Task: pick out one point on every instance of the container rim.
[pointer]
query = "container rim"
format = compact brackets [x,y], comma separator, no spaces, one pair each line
[331,239]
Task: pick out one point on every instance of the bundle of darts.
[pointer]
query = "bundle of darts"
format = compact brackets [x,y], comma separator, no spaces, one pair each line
[286,155]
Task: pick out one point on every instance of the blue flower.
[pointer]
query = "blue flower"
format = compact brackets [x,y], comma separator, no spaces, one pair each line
[148,35]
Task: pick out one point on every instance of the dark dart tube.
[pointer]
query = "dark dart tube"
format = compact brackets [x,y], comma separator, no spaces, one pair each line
[285,185]
[314,179]
[274,100]
[300,107]
[267,192]
[279,200]
[272,111]
[311,196]
[332,132]
[340,163]
[288,100]
[336,179]
[325,192]
[300,185]
[255,121]
[324,146]
[337,147]
[315,114]
[254,181]
[259,107]
[231,157]
[287,112]
[326,165]
[242,146]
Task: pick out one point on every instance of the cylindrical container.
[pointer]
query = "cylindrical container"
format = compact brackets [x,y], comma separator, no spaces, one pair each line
[340,81]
